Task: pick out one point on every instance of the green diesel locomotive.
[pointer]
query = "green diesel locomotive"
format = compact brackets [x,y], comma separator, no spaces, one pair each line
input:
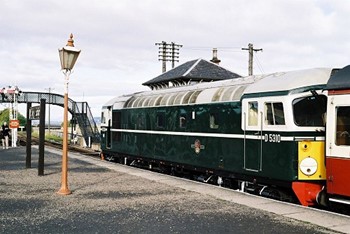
[263,134]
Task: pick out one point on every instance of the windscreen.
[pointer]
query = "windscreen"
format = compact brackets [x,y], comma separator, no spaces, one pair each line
[310,111]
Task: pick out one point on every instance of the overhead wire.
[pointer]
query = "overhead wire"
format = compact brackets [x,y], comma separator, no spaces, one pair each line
[259,64]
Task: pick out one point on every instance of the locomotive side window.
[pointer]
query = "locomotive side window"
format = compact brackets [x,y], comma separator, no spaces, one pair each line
[213,121]
[253,114]
[183,121]
[274,113]
[310,111]
[343,126]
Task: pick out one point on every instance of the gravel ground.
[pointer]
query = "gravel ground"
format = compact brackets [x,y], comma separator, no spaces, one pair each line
[108,201]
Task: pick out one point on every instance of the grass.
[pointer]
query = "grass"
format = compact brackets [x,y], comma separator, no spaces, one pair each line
[49,137]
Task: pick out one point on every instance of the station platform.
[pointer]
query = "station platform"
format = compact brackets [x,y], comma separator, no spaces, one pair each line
[113,198]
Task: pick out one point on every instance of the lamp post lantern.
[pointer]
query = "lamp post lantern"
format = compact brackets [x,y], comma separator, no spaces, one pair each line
[68,56]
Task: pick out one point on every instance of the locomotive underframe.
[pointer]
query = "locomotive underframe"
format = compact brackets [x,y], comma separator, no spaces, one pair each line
[275,189]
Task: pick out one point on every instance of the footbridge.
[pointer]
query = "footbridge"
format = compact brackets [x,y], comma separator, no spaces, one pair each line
[81,113]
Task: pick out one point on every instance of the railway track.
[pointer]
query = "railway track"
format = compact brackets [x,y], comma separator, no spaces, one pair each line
[58,145]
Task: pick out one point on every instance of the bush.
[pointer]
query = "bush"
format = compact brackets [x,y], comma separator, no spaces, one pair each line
[4,117]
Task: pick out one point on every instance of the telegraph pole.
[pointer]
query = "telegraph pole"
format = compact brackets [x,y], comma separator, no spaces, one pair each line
[168,52]
[250,61]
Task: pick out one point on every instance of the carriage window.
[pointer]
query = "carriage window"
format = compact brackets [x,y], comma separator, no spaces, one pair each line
[343,126]
[213,121]
[274,113]
[253,114]
[310,111]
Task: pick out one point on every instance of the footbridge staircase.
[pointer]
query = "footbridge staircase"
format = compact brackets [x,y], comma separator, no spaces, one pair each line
[80,111]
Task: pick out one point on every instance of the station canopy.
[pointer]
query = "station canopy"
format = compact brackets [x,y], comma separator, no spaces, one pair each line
[194,71]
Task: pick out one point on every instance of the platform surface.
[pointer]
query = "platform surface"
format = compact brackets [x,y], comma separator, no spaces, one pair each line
[113,198]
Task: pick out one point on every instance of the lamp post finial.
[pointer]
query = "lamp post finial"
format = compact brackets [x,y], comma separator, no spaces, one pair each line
[70,41]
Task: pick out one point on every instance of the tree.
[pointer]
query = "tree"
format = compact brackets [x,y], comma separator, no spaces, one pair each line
[4,117]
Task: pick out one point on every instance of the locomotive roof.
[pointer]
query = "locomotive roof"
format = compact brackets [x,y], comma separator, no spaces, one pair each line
[340,79]
[292,80]
[228,90]
[195,70]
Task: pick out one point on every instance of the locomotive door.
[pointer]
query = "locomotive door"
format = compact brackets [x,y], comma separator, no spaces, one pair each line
[108,135]
[106,118]
[253,139]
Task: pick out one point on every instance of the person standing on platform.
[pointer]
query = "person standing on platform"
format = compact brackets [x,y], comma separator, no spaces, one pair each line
[5,132]
[2,139]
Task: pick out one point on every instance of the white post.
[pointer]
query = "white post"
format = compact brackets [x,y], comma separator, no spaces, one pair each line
[15,117]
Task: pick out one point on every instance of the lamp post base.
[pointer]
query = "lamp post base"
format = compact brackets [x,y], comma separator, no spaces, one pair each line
[64,191]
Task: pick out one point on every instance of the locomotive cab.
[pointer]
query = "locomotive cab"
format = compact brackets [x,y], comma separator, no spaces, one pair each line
[107,120]
[106,116]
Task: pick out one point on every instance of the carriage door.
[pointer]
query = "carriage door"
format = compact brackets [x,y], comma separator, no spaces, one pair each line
[338,145]
[253,137]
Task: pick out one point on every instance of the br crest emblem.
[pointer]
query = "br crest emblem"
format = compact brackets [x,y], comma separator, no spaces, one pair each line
[197,146]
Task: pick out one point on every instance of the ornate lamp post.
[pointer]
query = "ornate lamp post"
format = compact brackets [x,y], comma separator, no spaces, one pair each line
[68,56]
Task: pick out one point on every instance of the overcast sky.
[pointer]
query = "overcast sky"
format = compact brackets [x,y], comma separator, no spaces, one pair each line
[117,40]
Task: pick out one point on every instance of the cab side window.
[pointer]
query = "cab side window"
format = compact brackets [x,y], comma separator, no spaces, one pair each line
[253,113]
[274,113]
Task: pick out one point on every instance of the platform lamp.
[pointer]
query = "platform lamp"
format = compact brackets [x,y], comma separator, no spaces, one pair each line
[68,56]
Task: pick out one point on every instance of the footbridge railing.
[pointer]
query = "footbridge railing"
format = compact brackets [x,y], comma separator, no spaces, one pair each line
[80,111]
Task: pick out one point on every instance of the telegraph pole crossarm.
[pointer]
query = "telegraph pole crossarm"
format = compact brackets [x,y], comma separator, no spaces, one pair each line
[168,52]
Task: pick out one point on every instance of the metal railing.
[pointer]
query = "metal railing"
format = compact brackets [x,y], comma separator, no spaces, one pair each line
[80,111]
